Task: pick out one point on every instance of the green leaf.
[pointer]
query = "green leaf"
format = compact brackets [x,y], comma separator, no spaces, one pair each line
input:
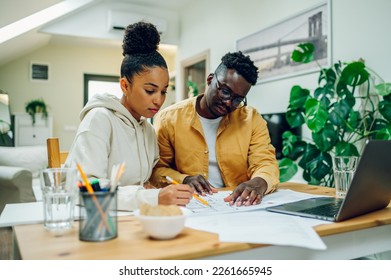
[288,139]
[337,68]
[329,76]
[353,121]
[192,87]
[383,89]
[295,117]
[381,129]
[387,98]
[346,149]
[354,74]
[339,113]
[309,179]
[298,97]
[311,151]
[325,139]
[320,166]
[289,136]
[323,92]
[385,109]
[349,98]
[303,53]
[292,147]
[378,124]
[288,169]
[384,133]
[315,115]
[298,149]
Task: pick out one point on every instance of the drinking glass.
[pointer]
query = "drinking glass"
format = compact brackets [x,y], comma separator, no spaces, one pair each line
[59,186]
[344,168]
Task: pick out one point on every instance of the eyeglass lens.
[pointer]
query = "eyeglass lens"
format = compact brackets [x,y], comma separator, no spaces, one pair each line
[226,94]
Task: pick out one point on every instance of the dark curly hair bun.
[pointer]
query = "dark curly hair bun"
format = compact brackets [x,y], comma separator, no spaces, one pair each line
[140,38]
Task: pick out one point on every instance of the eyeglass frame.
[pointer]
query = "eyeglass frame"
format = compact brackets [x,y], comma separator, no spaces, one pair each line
[233,98]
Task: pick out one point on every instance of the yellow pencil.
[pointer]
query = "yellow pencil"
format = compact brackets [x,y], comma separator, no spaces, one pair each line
[85,179]
[196,196]
[90,190]
[120,171]
[172,181]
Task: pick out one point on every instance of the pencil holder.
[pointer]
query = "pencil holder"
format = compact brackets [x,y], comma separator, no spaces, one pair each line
[98,217]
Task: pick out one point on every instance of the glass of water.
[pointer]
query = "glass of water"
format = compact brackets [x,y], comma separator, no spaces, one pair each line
[344,168]
[59,186]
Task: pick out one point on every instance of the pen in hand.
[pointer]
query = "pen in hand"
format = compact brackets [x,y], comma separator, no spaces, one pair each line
[172,181]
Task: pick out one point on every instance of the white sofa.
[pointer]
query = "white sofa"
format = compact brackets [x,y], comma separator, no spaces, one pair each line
[19,173]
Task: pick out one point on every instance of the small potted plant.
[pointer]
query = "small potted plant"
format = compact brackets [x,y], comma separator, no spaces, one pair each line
[192,88]
[36,106]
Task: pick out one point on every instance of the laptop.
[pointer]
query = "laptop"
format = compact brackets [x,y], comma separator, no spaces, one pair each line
[370,189]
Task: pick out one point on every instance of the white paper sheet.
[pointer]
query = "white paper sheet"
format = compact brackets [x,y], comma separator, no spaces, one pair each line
[218,205]
[260,227]
[22,213]
[252,224]
[32,213]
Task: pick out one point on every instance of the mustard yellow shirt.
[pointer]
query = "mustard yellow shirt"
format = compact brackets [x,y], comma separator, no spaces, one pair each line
[243,147]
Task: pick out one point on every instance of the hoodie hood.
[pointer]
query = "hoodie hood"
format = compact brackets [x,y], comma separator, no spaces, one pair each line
[112,103]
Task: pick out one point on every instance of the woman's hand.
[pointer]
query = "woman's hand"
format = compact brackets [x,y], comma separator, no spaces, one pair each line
[177,194]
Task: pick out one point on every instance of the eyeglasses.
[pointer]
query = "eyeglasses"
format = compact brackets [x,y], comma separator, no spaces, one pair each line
[226,94]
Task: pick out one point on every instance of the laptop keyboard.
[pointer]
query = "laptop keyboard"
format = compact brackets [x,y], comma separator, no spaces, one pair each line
[324,210]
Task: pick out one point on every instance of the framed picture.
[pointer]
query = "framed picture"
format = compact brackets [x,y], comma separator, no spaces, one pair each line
[39,71]
[271,48]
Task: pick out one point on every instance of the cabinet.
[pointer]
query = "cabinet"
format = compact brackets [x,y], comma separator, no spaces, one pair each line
[27,134]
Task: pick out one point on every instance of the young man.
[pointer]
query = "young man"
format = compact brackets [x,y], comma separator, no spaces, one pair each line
[216,141]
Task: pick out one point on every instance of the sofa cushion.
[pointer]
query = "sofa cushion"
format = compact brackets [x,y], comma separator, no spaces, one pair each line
[15,185]
[33,158]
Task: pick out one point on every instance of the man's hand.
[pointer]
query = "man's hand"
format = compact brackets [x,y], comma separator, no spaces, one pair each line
[199,184]
[248,193]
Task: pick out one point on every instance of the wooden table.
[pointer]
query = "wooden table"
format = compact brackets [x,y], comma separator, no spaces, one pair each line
[353,238]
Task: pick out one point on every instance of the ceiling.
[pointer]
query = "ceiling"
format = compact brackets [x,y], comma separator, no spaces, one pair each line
[66,27]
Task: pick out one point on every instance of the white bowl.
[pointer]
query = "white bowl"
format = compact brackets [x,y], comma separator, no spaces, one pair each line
[162,227]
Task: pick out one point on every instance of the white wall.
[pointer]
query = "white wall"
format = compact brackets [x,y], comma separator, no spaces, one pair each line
[80,23]
[358,31]
[64,92]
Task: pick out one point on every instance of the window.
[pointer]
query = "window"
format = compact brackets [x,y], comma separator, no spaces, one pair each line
[39,71]
[94,84]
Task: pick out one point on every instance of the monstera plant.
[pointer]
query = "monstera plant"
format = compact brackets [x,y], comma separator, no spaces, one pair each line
[351,104]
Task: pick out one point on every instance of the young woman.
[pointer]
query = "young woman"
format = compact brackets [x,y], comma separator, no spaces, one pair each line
[115,130]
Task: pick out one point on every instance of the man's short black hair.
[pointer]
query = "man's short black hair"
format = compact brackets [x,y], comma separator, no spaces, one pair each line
[242,64]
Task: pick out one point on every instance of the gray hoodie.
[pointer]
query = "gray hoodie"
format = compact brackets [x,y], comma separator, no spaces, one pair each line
[108,134]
